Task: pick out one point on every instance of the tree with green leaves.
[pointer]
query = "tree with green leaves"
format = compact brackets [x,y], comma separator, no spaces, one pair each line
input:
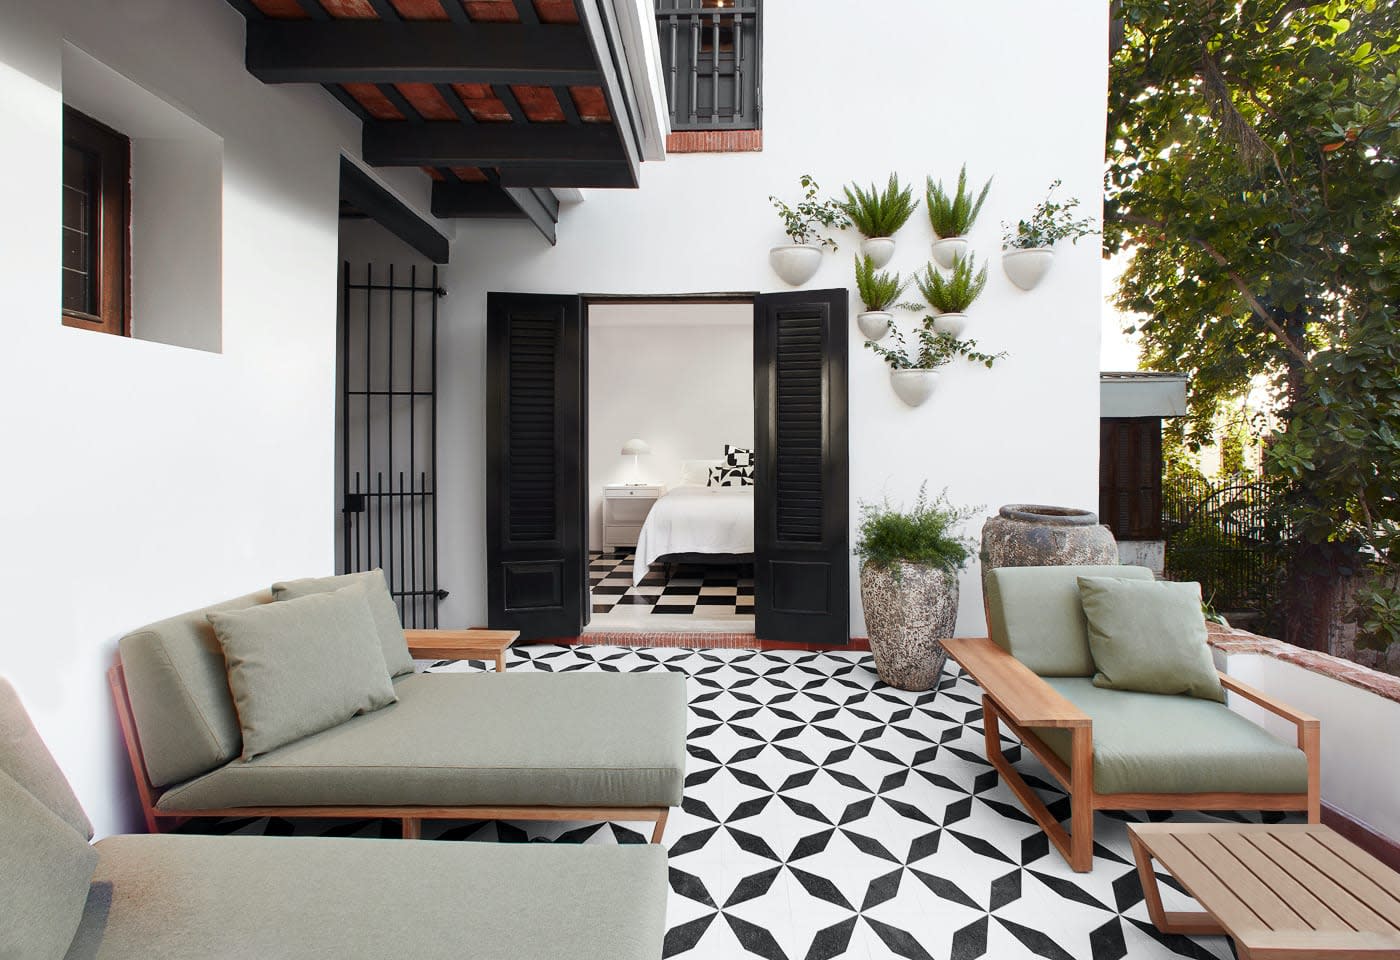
[1253,176]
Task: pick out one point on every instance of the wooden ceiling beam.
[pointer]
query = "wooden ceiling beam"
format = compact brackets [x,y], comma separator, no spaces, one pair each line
[375,51]
[394,144]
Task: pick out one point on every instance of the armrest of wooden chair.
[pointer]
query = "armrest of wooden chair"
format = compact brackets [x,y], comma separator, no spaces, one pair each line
[1309,730]
[1022,695]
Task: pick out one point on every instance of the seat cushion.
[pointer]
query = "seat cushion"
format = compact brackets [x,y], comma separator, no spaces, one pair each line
[1034,614]
[24,758]
[478,739]
[302,666]
[255,898]
[45,866]
[178,686]
[381,606]
[1155,743]
[1149,636]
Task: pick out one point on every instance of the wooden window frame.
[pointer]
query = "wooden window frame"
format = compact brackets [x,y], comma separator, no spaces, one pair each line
[1140,482]
[112,221]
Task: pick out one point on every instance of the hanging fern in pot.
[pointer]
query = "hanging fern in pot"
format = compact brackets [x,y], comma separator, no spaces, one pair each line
[877,214]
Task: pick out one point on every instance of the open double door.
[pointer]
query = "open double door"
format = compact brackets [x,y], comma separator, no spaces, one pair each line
[537,489]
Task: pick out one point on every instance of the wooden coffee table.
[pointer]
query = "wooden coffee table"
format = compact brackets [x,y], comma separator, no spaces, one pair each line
[475,644]
[1295,891]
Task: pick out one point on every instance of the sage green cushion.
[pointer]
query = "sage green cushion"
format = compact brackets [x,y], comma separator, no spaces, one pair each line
[45,867]
[381,605]
[1034,614]
[178,686]
[302,666]
[455,739]
[174,897]
[28,762]
[1149,637]
[1153,743]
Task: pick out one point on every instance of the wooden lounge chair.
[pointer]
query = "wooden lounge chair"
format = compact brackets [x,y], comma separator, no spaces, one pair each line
[1110,749]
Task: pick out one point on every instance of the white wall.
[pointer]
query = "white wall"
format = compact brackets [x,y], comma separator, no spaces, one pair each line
[1019,94]
[145,479]
[679,376]
[1355,777]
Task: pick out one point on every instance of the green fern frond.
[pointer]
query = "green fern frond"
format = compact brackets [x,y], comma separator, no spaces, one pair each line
[953,216]
[877,213]
[958,290]
[877,290]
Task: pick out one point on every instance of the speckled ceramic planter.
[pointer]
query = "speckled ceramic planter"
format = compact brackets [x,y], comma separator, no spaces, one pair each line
[1034,535]
[907,611]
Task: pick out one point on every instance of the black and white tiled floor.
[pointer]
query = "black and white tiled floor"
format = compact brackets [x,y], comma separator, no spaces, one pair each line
[707,591]
[828,815]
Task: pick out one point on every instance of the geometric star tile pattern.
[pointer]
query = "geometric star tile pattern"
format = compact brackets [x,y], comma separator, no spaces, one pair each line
[693,590]
[828,815]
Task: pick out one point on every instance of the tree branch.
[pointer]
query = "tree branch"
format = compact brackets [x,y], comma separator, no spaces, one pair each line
[1255,305]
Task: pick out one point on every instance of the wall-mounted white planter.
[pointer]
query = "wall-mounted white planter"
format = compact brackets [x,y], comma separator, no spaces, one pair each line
[878,249]
[954,323]
[913,386]
[949,249]
[1026,266]
[795,263]
[874,324]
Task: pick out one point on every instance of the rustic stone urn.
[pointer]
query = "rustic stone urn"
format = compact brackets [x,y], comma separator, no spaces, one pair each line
[908,609]
[1034,535]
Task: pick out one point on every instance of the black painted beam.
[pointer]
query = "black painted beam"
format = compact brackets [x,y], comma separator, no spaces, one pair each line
[394,144]
[540,207]
[548,173]
[487,201]
[373,51]
[358,190]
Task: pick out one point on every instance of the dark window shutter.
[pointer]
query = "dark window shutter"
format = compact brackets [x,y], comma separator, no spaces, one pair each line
[531,443]
[1130,477]
[798,457]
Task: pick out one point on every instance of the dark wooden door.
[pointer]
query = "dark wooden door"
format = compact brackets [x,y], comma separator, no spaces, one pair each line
[802,557]
[536,556]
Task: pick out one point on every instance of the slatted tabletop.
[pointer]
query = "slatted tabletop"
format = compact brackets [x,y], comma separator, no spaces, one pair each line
[1296,891]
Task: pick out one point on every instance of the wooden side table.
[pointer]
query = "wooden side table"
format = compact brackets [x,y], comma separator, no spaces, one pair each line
[473,644]
[1295,891]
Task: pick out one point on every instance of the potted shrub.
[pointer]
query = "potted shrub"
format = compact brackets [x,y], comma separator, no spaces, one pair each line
[952,216]
[878,214]
[913,375]
[878,292]
[949,297]
[1029,247]
[910,560]
[797,262]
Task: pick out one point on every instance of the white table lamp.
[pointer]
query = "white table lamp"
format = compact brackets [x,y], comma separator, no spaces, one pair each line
[634,448]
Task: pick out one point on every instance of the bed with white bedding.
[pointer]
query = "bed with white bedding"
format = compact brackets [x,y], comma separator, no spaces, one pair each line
[692,519]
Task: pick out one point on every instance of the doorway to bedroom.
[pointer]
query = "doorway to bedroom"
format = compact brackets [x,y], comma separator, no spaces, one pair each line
[670,466]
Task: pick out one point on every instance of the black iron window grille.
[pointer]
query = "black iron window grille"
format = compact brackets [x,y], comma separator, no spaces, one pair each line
[710,53]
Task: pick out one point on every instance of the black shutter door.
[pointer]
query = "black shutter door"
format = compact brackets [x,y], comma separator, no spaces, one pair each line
[536,561]
[802,559]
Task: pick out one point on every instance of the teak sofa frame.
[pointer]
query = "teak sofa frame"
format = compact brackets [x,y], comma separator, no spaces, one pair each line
[1014,695]
[411,817]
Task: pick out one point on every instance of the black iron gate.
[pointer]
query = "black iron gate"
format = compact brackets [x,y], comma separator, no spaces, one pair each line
[1228,535]
[388,450]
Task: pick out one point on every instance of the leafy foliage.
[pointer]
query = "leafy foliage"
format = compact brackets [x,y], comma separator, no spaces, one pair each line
[805,222]
[1378,617]
[953,216]
[1051,221]
[927,533]
[958,290]
[1254,172]
[933,349]
[878,213]
[878,290]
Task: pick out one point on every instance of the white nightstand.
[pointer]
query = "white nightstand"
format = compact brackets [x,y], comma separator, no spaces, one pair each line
[625,506]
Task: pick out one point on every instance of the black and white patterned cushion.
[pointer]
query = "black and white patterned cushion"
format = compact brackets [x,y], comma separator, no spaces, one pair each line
[738,456]
[723,476]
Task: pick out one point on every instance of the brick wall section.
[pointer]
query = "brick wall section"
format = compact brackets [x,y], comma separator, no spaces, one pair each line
[714,141]
[1233,640]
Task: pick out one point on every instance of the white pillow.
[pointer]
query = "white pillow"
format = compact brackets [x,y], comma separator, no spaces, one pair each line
[696,473]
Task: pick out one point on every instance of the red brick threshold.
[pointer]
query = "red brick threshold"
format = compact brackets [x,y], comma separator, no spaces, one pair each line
[700,640]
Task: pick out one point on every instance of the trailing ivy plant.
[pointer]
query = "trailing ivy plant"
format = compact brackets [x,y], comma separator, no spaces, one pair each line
[805,222]
[878,290]
[927,533]
[1051,221]
[932,350]
[953,216]
[958,290]
[877,213]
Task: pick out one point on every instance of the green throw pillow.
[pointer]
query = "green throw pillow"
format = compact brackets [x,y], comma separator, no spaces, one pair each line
[1149,636]
[47,869]
[25,758]
[381,606]
[302,666]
